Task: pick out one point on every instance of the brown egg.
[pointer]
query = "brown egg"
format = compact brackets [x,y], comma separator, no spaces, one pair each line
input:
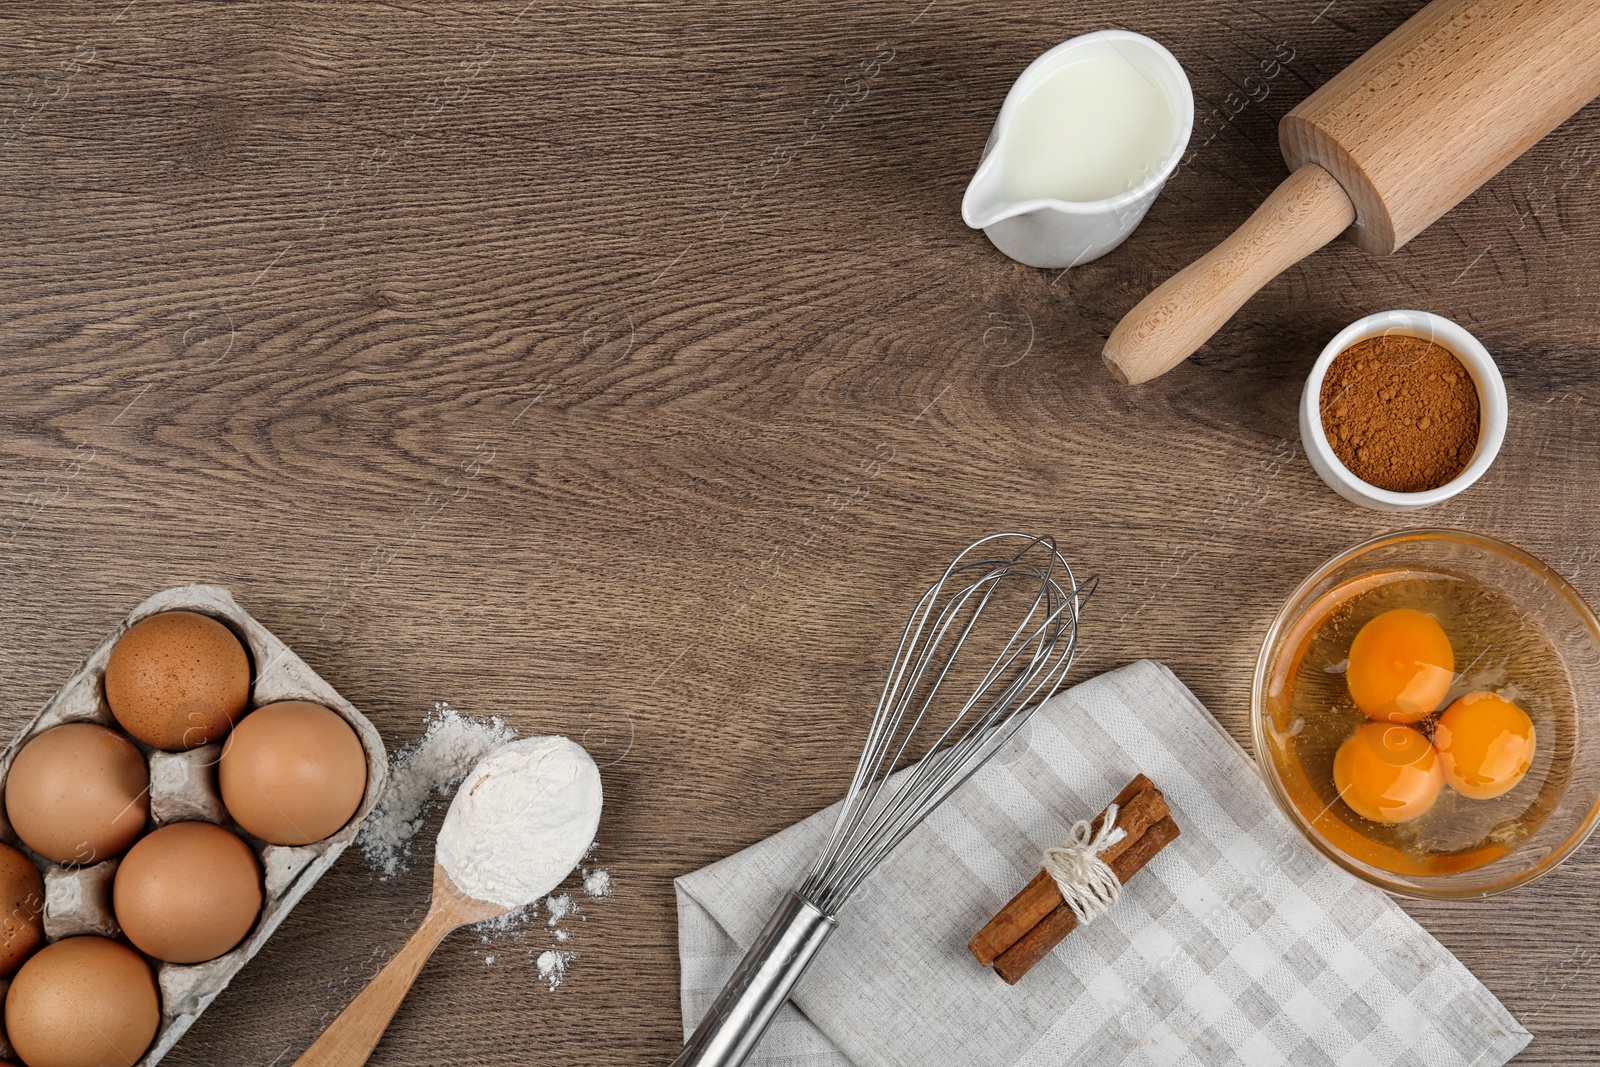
[188,892]
[83,1002]
[292,773]
[178,680]
[5,987]
[21,909]
[78,793]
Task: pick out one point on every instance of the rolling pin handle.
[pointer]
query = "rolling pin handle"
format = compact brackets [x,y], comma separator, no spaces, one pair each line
[1304,213]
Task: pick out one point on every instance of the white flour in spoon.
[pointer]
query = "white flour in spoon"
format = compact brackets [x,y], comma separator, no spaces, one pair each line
[521,821]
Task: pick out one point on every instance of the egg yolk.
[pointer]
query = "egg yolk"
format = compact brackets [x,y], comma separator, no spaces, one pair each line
[1401,665]
[1485,745]
[1387,773]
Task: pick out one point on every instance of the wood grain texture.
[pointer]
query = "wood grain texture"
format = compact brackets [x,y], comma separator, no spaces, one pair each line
[626,370]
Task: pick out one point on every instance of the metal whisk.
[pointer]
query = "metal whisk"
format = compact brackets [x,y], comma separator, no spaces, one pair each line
[1028,589]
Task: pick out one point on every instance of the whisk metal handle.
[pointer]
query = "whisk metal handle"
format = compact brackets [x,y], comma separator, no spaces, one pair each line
[745,1007]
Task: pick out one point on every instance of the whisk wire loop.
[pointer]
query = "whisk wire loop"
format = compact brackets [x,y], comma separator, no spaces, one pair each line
[1029,667]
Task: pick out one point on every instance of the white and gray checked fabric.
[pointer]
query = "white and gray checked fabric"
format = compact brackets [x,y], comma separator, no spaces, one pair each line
[1238,944]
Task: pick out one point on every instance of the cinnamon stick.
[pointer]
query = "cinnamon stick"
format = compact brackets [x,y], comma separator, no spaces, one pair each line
[1036,944]
[1139,806]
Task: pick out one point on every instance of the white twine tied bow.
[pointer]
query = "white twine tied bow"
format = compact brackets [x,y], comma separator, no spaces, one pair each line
[1087,883]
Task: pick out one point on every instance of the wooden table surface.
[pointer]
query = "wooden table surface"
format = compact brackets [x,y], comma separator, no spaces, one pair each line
[624,370]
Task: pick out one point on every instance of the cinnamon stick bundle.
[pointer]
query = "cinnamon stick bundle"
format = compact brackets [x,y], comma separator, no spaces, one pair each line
[1037,918]
[1036,944]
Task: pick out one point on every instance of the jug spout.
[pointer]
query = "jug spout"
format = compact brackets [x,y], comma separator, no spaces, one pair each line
[985,202]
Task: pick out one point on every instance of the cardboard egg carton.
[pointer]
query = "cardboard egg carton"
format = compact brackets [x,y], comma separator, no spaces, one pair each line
[183,787]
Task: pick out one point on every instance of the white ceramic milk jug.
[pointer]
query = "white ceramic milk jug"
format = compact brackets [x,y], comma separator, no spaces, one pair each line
[1044,231]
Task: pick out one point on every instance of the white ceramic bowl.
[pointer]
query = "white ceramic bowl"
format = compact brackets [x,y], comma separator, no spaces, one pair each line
[1473,356]
[1045,232]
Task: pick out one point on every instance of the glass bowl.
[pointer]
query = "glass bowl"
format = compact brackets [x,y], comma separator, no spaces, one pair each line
[1569,802]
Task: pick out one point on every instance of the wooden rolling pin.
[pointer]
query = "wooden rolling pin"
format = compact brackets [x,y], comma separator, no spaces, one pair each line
[1394,141]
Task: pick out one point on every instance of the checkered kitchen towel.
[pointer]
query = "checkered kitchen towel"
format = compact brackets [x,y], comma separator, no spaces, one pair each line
[1237,944]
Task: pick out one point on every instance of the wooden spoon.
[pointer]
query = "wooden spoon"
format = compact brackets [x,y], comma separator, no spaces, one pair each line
[349,1041]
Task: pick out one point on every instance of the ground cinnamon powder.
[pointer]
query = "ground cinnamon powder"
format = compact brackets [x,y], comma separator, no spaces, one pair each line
[1400,412]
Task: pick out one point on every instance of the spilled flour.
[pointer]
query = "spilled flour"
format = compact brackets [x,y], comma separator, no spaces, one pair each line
[553,962]
[553,966]
[559,907]
[429,767]
[429,770]
[515,919]
[597,882]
